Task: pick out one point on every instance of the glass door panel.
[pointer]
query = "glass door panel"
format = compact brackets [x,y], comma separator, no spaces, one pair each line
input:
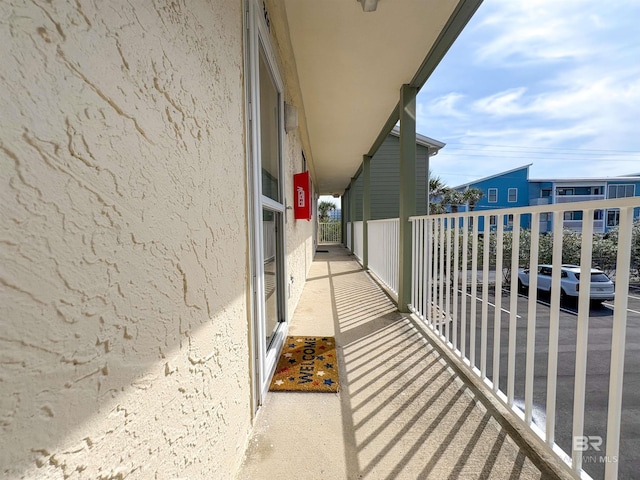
[271,273]
[269,133]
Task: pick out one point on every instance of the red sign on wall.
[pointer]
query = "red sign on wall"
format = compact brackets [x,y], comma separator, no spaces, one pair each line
[302,196]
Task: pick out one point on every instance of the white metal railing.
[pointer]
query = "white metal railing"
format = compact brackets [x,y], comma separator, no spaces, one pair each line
[443,248]
[358,240]
[383,242]
[577,198]
[349,235]
[329,232]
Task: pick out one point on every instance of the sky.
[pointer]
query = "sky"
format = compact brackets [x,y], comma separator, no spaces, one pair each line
[552,83]
[547,82]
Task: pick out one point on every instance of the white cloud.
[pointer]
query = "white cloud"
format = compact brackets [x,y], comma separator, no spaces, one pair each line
[446,105]
[551,79]
[502,103]
[541,30]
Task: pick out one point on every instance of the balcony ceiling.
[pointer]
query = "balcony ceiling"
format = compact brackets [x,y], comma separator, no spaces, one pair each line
[351,65]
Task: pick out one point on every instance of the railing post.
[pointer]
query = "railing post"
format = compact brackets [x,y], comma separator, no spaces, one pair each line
[618,336]
[366,208]
[344,220]
[352,212]
[407,191]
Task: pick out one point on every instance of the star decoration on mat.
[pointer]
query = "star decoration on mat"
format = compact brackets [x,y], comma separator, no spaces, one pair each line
[321,373]
[292,345]
[291,379]
[299,340]
[288,355]
[328,365]
[329,382]
[319,357]
[278,382]
[292,360]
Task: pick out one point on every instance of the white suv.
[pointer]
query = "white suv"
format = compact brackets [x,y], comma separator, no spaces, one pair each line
[602,288]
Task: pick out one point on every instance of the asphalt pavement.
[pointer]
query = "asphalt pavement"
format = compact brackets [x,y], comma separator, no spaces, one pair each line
[598,365]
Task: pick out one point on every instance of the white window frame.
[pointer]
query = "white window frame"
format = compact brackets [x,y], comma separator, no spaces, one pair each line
[618,186]
[509,195]
[495,192]
[263,358]
[613,214]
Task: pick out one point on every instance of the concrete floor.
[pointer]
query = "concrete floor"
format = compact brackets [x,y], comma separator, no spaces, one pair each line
[401,413]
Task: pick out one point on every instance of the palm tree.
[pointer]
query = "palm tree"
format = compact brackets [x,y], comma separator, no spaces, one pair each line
[437,191]
[472,196]
[441,196]
[324,207]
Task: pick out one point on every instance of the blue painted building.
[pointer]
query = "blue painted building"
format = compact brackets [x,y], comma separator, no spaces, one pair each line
[514,188]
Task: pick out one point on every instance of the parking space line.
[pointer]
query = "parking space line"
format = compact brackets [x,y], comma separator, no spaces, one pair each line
[628,309]
[489,303]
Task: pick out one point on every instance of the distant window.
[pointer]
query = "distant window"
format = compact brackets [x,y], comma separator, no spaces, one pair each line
[493,195]
[575,215]
[513,195]
[510,220]
[613,218]
[493,220]
[545,192]
[621,191]
[545,217]
[565,191]
[598,214]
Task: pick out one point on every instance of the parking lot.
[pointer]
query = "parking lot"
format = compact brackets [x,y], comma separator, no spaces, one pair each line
[598,364]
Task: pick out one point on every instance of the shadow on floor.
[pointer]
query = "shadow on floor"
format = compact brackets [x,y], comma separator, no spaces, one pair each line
[401,413]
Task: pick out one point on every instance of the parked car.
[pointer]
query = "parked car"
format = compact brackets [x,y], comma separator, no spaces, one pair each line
[602,288]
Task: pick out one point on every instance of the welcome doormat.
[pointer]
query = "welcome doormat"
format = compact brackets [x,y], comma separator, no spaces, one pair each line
[307,364]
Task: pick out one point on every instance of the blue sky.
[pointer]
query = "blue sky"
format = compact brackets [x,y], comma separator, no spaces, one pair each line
[555,83]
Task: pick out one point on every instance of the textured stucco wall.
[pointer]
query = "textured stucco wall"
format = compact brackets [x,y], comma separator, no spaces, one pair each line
[123,332]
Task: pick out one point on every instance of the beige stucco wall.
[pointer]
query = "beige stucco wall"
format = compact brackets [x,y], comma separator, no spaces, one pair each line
[124,345]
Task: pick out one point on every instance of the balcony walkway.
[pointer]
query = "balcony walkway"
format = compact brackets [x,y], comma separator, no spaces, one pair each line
[401,413]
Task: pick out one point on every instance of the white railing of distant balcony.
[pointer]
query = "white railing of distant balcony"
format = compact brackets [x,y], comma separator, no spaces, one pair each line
[349,235]
[445,296]
[358,240]
[329,232]
[577,198]
[383,251]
